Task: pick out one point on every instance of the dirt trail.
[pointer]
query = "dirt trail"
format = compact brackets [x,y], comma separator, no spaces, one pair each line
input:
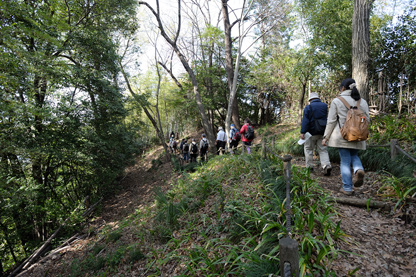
[385,245]
[136,191]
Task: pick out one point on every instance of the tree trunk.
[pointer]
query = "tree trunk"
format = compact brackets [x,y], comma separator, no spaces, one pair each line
[159,132]
[400,95]
[173,43]
[229,62]
[301,101]
[361,45]
[380,91]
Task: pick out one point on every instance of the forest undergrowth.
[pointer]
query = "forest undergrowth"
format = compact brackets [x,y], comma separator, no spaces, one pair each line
[226,216]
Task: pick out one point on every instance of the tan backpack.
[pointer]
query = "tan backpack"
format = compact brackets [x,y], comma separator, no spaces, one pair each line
[356,124]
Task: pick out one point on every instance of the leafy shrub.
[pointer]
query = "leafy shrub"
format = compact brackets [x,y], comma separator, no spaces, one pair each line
[157,162]
[386,127]
[135,254]
[97,248]
[114,236]
[113,259]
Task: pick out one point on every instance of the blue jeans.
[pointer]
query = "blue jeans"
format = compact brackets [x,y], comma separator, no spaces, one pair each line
[348,157]
[186,156]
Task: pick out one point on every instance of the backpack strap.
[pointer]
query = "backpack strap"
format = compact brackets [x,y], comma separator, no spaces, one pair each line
[348,105]
[342,99]
[313,117]
[344,102]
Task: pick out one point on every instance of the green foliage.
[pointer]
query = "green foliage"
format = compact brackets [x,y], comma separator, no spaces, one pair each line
[251,229]
[286,142]
[330,22]
[387,127]
[227,218]
[135,254]
[115,258]
[91,263]
[393,54]
[97,249]
[62,131]
[114,236]
[399,189]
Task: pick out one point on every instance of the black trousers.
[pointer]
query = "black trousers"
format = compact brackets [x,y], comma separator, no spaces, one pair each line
[220,145]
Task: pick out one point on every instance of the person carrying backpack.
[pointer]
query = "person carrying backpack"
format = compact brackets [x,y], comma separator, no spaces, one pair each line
[221,141]
[174,146]
[181,145]
[185,150]
[171,140]
[234,138]
[194,151]
[348,149]
[314,121]
[203,147]
[247,132]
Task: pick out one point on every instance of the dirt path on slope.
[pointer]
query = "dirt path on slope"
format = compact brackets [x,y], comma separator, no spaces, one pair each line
[383,243]
[136,191]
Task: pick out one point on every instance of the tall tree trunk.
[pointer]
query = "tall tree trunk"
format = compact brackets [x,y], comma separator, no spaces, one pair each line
[361,45]
[229,62]
[301,101]
[173,43]
[136,97]
[380,91]
[400,104]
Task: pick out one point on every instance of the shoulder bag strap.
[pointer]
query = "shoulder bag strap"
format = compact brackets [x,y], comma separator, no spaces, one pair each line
[345,102]
[348,106]
[310,105]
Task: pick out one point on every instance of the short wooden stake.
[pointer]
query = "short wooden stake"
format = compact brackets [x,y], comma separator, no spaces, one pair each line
[393,150]
[289,257]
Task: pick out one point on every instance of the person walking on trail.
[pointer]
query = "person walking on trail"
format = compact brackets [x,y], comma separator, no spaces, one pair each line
[172,141]
[234,138]
[247,132]
[221,141]
[314,121]
[181,145]
[194,151]
[348,150]
[185,150]
[203,147]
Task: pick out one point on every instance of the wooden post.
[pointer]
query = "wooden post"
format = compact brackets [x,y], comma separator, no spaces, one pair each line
[289,253]
[393,150]
[287,167]
[289,257]
[263,148]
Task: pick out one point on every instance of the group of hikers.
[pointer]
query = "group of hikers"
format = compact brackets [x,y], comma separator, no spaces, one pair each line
[191,151]
[345,127]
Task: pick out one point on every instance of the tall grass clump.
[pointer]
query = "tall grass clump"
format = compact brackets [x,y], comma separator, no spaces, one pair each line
[227,219]
[286,142]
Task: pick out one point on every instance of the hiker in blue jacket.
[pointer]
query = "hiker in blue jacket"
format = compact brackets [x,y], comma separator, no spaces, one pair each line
[314,121]
[234,138]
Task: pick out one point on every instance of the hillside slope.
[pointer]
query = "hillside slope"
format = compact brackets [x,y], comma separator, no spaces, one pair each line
[133,238]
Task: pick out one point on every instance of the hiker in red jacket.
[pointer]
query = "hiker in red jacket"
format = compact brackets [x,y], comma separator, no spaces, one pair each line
[247,132]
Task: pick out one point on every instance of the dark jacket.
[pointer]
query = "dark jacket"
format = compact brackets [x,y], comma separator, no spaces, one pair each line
[320,110]
[243,132]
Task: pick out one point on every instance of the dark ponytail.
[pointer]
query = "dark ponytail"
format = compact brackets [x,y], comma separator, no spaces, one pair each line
[355,94]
